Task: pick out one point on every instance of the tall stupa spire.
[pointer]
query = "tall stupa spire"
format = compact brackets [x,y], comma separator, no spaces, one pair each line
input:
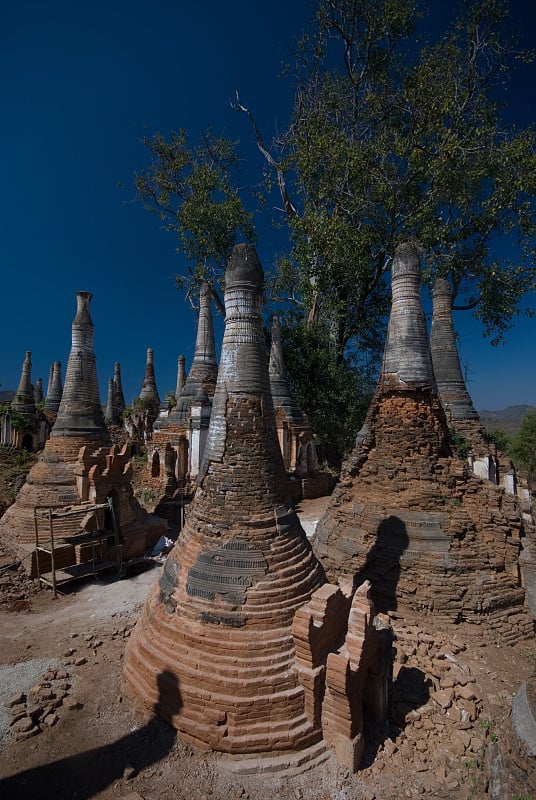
[39,390]
[24,400]
[407,362]
[241,567]
[80,410]
[148,389]
[447,369]
[55,388]
[204,369]
[119,397]
[111,415]
[181,377]
[278,378]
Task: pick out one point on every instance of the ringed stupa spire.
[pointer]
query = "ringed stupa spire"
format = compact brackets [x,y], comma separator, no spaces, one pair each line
[111,415]
[241,567]
[119,397]
[24,400]
[447,369]
[80,410]
[149,390]
[181,377]
[204,368]
[39,390]
[278,378]
[55,388]
[406,361]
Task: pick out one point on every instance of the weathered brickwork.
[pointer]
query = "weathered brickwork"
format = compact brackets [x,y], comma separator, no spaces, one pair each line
[408,514]
[219,619]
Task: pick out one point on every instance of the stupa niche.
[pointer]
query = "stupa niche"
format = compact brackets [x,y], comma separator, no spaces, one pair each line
[408,514]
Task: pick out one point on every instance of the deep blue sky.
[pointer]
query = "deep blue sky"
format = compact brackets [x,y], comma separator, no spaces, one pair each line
[80,84]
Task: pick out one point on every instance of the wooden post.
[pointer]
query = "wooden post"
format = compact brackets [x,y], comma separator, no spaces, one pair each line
[52,560]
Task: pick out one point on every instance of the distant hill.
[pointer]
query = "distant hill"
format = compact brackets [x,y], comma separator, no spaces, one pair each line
[6,396]
[507,419]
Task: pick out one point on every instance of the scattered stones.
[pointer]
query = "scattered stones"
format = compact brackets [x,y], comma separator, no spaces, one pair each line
[15,700]
[129,772]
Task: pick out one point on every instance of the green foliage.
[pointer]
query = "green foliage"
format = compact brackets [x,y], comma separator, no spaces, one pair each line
[335,395]
[460,444]
[171,400]
[195,192]
[22,422]
[142,404]
[523,447]
[389,143]
[501,440]
[4,408]
[14,466]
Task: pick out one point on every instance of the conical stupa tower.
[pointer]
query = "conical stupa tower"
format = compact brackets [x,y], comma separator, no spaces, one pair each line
[119,397]
[80,411]
[39,390]
[408,514]
[294,430]
[111,415]
[55,388]
[181,377]
[52,482]
[217,624]
[447,369]
[149,391]
[204,369]
[278,378]
[24,400]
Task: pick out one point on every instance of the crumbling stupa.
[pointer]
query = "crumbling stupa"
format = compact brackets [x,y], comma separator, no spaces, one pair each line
[77,471]
[179,439]
[241,645]
[241,567]
[54,390]
[294,431]
[408,514]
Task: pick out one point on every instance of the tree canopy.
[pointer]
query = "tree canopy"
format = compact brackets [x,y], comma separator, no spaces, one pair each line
[395,135]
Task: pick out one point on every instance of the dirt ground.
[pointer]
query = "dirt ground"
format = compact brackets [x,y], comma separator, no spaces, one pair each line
[68,729]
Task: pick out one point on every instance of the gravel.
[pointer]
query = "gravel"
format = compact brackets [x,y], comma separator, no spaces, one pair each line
[20,678]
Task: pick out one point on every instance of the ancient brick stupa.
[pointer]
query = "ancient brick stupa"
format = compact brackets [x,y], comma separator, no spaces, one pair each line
[294,430]
[77,467]
[149,392]
[203,372]
[179,439]
[54,390]
[217,624]
[408,514]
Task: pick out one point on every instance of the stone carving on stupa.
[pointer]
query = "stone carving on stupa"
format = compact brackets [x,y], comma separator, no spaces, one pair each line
[408,514]
[76,470]
[220,625]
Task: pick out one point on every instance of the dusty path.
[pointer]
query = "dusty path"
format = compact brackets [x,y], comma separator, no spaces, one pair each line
[450,706]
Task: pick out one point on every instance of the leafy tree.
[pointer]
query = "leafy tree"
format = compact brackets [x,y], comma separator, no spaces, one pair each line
[195,192]
[392,142]
[523,447]
[501,440]
[334,395]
